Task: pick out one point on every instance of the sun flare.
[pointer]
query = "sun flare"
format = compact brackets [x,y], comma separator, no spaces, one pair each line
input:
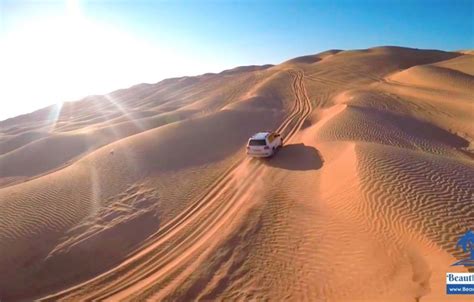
[68,56]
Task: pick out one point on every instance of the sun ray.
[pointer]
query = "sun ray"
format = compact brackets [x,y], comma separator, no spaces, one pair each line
[125,112]
[55,115]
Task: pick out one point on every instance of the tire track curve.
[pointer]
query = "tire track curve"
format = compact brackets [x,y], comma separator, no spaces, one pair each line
[167,252]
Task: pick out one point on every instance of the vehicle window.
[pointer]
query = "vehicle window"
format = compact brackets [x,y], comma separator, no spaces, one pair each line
[257,142]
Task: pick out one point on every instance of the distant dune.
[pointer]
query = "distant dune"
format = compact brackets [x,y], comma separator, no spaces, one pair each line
[146,192]
[467,51]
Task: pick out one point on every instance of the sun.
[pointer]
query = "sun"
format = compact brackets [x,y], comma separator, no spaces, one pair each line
[70,53]
[67,56]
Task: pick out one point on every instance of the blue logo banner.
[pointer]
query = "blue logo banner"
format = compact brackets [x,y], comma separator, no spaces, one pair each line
[466,242]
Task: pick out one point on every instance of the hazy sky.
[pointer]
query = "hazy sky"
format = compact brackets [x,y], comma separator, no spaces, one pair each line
[54,51]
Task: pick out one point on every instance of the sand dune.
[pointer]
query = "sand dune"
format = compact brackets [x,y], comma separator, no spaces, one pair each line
[436,77]
[146,193]
[461,63]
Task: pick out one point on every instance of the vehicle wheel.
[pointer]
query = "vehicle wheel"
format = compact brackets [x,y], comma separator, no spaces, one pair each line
[273,152]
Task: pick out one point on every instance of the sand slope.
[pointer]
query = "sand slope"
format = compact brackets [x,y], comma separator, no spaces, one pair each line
[146,193]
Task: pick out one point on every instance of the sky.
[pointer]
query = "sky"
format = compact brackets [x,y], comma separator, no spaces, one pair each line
[56,51]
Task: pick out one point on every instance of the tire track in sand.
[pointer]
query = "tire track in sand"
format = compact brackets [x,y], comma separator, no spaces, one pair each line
[167,252]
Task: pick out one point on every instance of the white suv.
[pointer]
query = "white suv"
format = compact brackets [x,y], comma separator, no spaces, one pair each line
[264,144]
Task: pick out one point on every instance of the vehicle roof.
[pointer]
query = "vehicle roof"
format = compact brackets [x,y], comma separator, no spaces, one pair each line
[260,135]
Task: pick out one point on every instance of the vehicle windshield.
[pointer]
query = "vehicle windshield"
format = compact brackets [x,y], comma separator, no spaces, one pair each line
[257,142]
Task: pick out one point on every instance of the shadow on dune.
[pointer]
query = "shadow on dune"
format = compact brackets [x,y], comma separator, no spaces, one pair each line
[296,157]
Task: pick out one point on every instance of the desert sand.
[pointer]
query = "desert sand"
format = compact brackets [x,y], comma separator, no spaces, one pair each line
[147,193]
